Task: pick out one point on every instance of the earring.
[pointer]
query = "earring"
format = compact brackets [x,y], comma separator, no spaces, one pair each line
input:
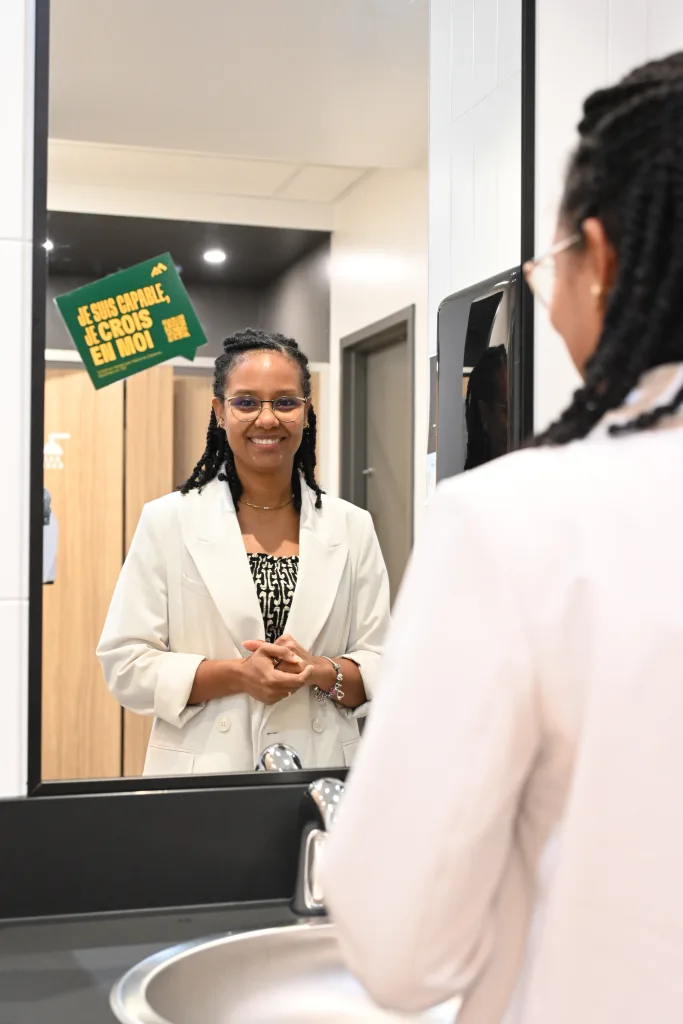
[597,291]
[221,424]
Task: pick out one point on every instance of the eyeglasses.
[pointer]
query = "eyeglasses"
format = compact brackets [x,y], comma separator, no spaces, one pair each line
[540,272]
[287,408]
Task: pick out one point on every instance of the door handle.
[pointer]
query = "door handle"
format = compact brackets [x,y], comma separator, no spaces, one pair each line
[368,472]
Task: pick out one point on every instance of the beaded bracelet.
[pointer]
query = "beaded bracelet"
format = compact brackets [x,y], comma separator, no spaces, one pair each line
[336,693]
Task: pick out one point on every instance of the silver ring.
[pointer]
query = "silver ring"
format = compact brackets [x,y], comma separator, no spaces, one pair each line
[276,662]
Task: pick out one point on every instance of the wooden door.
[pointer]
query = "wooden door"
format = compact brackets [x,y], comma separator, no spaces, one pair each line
[81,724]
[148,475]
[191,411]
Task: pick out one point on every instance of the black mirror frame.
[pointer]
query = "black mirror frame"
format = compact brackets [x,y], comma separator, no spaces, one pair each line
[36,786]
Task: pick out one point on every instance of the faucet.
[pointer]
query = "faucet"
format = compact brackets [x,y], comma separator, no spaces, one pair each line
[318,812]
[279,758]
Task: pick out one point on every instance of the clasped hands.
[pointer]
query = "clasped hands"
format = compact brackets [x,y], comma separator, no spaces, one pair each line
[275,671]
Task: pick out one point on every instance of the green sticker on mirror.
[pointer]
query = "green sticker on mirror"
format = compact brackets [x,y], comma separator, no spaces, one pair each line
[132,320]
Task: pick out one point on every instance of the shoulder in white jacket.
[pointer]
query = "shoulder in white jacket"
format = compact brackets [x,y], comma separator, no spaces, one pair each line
[525,849]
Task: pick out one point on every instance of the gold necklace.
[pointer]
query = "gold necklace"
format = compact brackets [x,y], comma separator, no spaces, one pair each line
[267,508]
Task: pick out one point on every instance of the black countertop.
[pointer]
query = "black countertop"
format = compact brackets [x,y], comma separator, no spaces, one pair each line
[61,970]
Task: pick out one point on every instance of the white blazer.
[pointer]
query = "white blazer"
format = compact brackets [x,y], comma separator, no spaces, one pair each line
[186,593]
[526,847]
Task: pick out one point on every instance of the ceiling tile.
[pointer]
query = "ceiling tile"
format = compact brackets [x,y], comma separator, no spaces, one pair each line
[135,167]
[320,184]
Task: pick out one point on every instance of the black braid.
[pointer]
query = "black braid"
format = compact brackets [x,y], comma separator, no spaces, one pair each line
[628,172]
[218,453]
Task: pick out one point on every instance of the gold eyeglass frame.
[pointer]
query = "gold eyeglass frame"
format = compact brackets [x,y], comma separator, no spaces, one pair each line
[531,266]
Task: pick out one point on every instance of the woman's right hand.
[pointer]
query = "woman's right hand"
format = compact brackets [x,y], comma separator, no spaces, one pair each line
[267,683]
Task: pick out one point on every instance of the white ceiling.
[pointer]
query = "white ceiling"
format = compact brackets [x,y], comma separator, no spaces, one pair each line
[328,88]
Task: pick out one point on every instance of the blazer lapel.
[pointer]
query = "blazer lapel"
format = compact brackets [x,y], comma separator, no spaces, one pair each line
[323,551]
[212,535]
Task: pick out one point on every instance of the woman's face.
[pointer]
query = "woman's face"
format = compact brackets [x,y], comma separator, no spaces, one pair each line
[265,444]
[584,277]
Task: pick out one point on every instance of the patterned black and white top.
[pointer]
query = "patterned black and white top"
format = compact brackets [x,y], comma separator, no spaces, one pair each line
[275,582]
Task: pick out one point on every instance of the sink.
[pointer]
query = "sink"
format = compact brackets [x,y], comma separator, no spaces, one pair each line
[291,975]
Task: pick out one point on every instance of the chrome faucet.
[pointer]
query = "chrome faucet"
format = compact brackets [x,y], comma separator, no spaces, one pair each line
[279,758]
[318,810]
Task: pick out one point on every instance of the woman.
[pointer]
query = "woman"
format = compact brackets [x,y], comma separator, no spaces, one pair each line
[251,610]
[530,854]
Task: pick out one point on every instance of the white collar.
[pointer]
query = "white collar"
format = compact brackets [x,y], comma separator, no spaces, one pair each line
[655,388]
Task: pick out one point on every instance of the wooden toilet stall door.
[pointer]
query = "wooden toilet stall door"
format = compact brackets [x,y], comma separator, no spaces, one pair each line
[81,722]
[120,453]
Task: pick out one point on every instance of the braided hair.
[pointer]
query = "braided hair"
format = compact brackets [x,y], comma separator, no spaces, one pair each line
[218,459]
[628,172]
[483,386]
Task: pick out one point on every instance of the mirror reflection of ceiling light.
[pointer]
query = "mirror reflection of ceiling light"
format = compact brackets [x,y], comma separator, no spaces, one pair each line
[215,256]
[48,246]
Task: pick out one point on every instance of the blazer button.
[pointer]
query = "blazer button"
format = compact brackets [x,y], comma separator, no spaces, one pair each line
[223,723]
[318,725]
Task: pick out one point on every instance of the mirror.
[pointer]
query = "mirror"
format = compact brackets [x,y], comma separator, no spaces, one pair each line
[278,153]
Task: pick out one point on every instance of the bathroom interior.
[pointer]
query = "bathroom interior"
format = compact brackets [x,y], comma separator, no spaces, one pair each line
[365,177]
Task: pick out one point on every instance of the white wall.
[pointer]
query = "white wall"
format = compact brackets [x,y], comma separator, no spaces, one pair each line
[379,266]
[580,47]
[474,144]
[16,132]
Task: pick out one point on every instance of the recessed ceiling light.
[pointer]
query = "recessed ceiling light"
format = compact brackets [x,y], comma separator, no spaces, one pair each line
[48,246]
[215,256]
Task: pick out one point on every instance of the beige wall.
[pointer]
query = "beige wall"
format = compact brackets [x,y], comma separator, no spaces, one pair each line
[379,266]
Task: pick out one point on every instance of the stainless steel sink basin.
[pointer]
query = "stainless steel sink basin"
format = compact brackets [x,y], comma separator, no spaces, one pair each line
[290,975]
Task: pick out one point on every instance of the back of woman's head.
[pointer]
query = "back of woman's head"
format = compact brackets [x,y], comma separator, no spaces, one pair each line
[627,172]
[218,459]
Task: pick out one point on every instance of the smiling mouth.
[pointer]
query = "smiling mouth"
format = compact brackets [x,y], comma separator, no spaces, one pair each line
[266,442]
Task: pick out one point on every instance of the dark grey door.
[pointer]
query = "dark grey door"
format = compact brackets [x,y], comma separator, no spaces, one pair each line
[377,432]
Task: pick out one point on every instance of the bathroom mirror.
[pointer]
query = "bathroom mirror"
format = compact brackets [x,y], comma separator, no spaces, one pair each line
[278,152]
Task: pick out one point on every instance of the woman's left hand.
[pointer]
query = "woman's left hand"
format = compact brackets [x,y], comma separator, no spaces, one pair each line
[323,674]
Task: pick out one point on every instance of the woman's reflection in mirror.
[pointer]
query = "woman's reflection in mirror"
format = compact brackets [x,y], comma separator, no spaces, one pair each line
[486,408]
[252,608]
